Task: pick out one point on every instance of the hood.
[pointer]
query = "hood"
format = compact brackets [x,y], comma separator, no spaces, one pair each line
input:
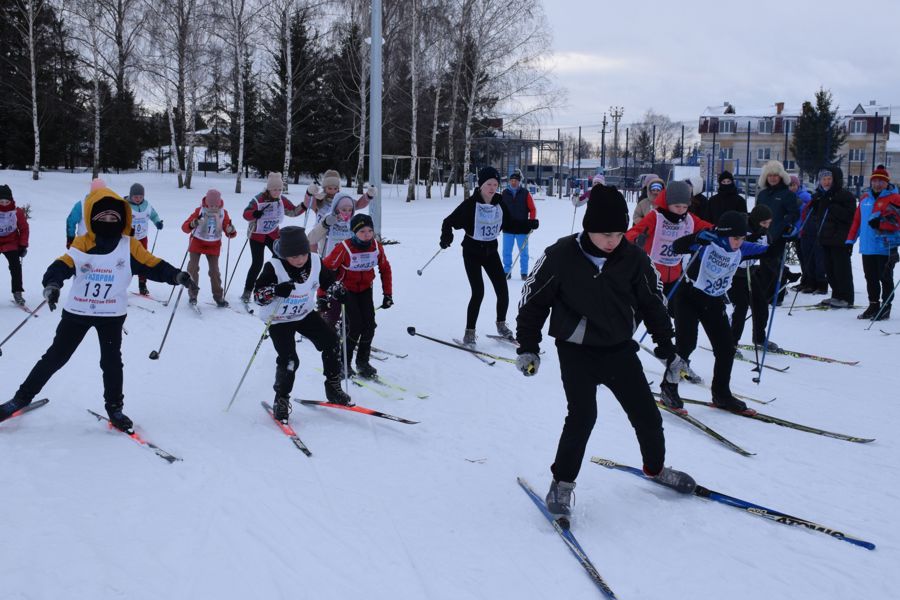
[772,167]
[338,200]
[92,199]
[651,179]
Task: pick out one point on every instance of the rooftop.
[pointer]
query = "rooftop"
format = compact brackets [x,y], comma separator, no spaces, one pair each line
[867,109]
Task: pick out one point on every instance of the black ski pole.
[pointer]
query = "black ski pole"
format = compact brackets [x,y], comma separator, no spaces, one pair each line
[22,324]
[412,331]
[169,299]
[762,361]
[236,263]
[155,237]
[154,354]
[264,335]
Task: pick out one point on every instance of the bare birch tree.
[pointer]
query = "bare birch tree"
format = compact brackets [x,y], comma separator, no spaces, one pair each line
[31,11]
[414,100]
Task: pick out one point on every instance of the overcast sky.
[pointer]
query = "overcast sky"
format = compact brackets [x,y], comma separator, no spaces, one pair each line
[679,58]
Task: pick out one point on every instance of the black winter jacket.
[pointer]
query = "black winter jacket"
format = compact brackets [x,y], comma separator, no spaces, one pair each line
[833,209]
[726,199]
[590,306]
[463,217]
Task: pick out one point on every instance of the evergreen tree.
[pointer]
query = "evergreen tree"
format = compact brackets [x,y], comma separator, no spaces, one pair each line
[819,134]
[120,133]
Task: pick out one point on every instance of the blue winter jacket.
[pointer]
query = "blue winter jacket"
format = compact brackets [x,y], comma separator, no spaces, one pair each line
[73,219]
[870,242]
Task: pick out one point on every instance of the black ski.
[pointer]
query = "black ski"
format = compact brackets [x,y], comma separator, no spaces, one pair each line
[359,409]
[752,414]
[796,354]
[743,358]
[753,509]
[288,430]
[704,428]
[137,438]
[380,351]
[27,408]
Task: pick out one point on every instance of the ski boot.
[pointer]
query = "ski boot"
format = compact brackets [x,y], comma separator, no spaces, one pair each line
[838,303]
[281,408]
[504,331]
[885,314]
[559,501]
[118,418]
[668,395]
[679,481]
[18,299]
[192,301]
[770,346]
[245,297]
[870,312]
[729,402]
[7,409]
[334,393]
[221,302]
[469,337]
[366,370]
[688,373]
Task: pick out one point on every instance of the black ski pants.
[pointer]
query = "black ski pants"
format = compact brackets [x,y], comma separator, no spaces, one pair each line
[839,272]
[257,257]
[69,333]
[316,330]
[487,258]
[748,291]
[695,308]
[879,279]
[14,258]
[583,368]
[360,310]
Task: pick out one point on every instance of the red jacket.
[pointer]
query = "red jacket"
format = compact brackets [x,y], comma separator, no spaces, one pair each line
[289,211]
[647,227]
[18,238]
[359,281]
[202,246]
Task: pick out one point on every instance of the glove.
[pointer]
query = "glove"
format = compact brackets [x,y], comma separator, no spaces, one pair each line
[372,192]
[194,223]
[159,225]
[322,304]
[446,239]
[69,241]
[640,240]
[230,230]
[533,224]
[312,190]
[330,220]
[665,351]
[875,223]
[387,301]
[528,363]
[706,237]
[184,278]
[23,251]
[257,213]
[577,201]
[51,295]
[674,367]
[790,232]
[283,290]
[338,292]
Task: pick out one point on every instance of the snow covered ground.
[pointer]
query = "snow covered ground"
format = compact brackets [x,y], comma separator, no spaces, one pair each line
[385,510]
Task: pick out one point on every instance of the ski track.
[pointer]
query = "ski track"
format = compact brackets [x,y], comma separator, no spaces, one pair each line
[387,511]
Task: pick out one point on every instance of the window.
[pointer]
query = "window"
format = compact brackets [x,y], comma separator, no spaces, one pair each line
[857,155]
[763,153]
[726,126]
[765,125]
[789,125]
[791,165]
[726,153]
[858,126]
[888,161]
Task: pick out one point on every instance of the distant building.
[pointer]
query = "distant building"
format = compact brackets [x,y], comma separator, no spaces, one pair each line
[724,139]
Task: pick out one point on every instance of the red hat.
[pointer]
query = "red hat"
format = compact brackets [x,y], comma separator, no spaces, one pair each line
[881,173]
[213,199]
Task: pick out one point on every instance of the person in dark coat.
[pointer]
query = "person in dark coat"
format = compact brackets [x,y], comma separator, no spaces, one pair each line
[773,191]
[834,207]
[725,199]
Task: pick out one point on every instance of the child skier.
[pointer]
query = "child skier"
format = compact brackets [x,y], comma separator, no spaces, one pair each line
[102,262]
[322,203]
[701,300]
[482,216]
[591,283]
[355,260]
[142,214]
[748,289]
[333,228]
[13,240]
[206,225]
[265,212]
[286,290]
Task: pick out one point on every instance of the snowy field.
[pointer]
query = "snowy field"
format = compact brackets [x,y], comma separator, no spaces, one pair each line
[391,511]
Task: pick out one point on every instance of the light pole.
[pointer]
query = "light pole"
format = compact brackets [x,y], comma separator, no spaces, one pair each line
[375,85]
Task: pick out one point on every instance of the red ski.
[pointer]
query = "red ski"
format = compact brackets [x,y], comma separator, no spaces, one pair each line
[27,408]
[359,409]
[288,430]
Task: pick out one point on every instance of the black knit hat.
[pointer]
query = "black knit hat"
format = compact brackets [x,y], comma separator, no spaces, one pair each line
[606,211]
[359,221]
[487,173]
[292,242]
[5,193]
[108,204]
[732,224]
[760,213]
[725,175]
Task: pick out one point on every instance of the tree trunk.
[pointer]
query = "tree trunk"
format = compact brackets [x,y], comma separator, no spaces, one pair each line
[413,142]
[190,117]
[451,130]
[173,147]
[96,161]
[470,112]
[288,93]
[239,92]
[434,131]
[31,16]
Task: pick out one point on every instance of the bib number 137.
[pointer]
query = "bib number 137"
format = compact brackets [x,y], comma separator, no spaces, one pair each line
[98,288]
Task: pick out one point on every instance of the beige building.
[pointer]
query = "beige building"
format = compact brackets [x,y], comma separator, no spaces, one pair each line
[724,138]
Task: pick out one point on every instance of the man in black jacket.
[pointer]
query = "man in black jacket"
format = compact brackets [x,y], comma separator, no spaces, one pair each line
[833,207]
[591,284]
[725,199]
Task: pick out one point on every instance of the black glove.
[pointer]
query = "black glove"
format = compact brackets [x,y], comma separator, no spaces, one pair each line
[446,239]
[338,292]
[257,213]
[69,241]
[875,223]
[283,290]
[322,304]
[23,251]
[641,240]
[193,224]
[387,301]
[184,278]
[51,294]
[159,225]
[533,224]
[665,351]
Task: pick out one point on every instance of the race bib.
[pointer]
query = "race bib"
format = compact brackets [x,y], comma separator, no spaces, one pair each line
[337,233]
[8,222]
[661,252]
[488,218]
[716,270]
[362,261]
[210,227]
[101,282]
[141,224]
[302,300]
[273,214]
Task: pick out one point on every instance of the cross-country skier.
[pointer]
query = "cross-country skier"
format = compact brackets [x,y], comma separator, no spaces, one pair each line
[142,214]
[206,225]
[13,240]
